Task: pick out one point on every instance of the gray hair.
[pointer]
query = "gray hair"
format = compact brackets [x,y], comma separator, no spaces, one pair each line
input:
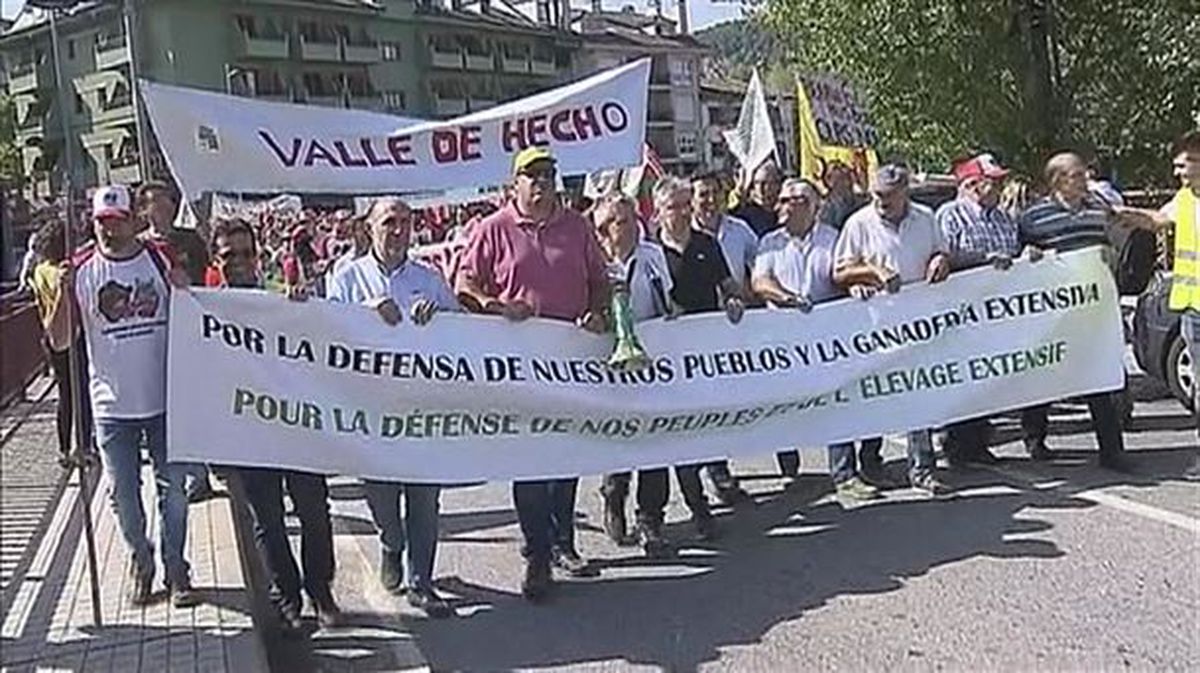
[666,187]
[382,205]
[608,202]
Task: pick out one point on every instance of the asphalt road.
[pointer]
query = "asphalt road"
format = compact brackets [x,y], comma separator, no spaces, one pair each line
[1059,566]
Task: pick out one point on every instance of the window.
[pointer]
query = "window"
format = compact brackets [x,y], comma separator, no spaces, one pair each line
[394,100]
[684,106]
[686,143]
[390,51]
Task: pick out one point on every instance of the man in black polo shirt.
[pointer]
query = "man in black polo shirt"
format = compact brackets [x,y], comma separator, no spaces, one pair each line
[701,283]
[1071,218]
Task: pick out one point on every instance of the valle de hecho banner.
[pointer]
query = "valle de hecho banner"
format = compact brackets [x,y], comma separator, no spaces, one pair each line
[221,143]
[255,379]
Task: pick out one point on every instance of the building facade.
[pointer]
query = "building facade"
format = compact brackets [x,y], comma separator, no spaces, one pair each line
[415,58]
[721,103]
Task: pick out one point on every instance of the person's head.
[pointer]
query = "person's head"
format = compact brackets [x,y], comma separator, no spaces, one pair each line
[390,223]
[360,233]
[838,178]
[673,204]
[708,196]
[798,204]
[534,174]
[980,179]
[49,242]
[889,192]
[615,218]
[1066,176]
[156,205]
[764,184]
[235,252]
[113,219]
[1185,160]
[343,224]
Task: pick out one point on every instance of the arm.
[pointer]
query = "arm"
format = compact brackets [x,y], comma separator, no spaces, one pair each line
[850,273]
[63,316]
[1143,218]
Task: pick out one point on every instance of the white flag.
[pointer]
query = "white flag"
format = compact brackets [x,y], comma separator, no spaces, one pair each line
[753,141]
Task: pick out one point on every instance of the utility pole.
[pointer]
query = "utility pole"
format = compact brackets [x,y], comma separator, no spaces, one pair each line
[129,10]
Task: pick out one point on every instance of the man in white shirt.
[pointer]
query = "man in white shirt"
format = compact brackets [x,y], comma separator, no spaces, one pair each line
[396,286]
[739,244]
[883,246]
[121,292]
[794,269]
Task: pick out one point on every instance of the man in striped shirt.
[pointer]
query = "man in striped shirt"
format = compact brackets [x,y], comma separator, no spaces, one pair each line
[1070,218]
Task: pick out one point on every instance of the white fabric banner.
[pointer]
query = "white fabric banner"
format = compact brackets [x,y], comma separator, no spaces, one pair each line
[257,380]
[221,143]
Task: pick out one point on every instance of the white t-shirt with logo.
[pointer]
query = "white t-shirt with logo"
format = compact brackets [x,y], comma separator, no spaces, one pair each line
[124,307]
[649,280]
[904,249]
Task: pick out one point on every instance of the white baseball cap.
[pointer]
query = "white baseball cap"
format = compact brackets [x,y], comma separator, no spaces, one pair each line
[111,201]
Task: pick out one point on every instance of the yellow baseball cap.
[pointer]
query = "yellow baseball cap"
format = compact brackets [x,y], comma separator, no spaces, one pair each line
[531,155]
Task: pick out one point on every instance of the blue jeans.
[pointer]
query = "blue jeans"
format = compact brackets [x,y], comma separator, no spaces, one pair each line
[921,460]
[546,512]
[119,441]
[409,531]
[1189,326]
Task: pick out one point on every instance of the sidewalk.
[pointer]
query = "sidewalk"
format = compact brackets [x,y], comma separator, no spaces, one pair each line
[47,621]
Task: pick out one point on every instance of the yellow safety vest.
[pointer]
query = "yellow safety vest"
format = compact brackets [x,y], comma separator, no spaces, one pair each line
[1185,280]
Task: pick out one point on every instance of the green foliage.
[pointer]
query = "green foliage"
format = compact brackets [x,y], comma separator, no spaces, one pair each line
[11,169]
[741,45]
[1019,77]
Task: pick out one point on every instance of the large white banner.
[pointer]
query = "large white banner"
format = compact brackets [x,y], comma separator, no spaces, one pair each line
[221,143]
[257,380]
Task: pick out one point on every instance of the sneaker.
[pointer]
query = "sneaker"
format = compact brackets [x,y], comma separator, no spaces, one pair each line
[141,584]
[1117,463]
[614,520]
[1037,449]
[928,483]
[183,595]
[426,600]
[574,564]
[706,528]
[652,541]
[391,573]
[329,615]
[289,619]
[538,583]
[1192,473]
[857,489]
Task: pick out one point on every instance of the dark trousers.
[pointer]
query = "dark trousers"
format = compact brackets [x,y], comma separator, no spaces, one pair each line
[966,438]
[264,493]
[60,365]
[720,475]
[546,512]
[789,463]
[1106,422]
[653,489]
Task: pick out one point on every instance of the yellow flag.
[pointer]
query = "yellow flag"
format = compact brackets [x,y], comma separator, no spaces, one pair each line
[814,156]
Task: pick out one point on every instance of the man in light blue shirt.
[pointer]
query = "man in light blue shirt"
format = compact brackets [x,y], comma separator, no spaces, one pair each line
[395,286]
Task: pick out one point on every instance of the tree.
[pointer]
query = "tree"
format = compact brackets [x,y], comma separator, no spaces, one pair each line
[11,167]
[1019,77]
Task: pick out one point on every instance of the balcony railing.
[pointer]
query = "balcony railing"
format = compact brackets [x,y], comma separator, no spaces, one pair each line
[121,172]
[23,77]
[510,63]
[264,47]
[539,67]
[480,62]
[360,52]
[111,52]
[478,104]
[313,50]
[447,59]
[450,107]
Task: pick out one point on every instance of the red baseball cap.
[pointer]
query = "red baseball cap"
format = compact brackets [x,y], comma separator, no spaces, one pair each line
[979,166]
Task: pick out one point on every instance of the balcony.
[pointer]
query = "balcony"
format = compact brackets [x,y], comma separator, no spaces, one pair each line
[23,77]
[361,52]
[119,109]
[325,100]
[260,46]
[480,62]
[452,59]
[478,104]
[111,52]
[539,67]
[313,50]
[517,64]
[450,107]
[128,174]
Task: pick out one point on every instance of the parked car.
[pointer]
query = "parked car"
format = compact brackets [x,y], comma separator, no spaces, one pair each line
[1157,344]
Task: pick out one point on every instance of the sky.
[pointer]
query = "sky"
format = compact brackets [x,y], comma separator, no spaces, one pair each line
[704,12]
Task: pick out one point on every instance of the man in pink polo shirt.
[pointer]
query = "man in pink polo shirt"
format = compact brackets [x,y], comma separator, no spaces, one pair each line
[534,257]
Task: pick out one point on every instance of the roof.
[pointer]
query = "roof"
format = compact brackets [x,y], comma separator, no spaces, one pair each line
[495,15]
[617,36]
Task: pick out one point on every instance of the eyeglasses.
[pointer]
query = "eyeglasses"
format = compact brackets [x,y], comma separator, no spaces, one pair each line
[783,200]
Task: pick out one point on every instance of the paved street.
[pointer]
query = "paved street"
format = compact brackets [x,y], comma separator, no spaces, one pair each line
[1029,567]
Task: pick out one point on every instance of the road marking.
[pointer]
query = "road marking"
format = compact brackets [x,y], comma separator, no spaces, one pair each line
[1100,497]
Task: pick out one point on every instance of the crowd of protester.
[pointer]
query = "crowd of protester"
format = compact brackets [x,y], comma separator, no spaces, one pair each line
[789,244]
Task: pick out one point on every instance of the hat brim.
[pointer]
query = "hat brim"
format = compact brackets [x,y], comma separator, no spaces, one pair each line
[110,214]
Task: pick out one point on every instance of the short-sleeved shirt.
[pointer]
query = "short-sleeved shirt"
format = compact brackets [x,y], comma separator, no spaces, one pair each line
[1050,223]
[46,276]
[904,249]
[649,278]
[973,232]
[698,273]
[801,264]
[760,219]
[740,245]
[123,304]
[555,266]
[365,280]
